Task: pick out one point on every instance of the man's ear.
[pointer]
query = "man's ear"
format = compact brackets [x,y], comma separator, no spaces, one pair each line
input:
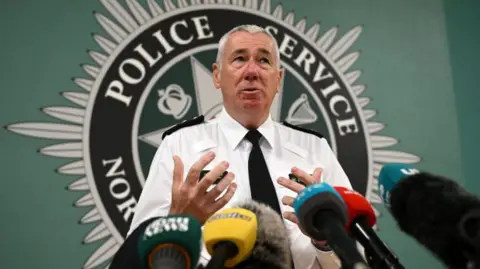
[280,77]
[216,75]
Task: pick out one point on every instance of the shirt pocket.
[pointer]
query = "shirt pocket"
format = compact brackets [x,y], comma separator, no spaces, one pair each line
[233,167]
[285,171]
[197,151]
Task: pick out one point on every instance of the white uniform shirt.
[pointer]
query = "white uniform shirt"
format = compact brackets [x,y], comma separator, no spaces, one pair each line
[283,148]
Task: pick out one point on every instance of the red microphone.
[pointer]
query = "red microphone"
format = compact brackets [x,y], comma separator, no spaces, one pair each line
[357,207]
[361,219]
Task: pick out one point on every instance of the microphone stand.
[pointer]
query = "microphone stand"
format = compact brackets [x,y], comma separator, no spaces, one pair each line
[373,261]
[384,259]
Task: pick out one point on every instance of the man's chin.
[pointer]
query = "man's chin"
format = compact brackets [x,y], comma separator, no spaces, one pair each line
[253,105]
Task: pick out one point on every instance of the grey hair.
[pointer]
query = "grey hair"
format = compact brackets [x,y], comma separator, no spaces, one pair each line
[250,28]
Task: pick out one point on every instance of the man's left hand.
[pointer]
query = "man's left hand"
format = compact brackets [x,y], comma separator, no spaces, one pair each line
[297,187]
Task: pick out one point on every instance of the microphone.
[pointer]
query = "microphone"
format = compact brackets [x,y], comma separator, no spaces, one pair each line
[389,176]
[127,256]
[229,236]
[171,242]
[438,213]
[322,214]
[361,219]
[470,230]
[272,248]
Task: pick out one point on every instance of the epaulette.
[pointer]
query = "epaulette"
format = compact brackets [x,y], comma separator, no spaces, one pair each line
[308,131]
[186,123]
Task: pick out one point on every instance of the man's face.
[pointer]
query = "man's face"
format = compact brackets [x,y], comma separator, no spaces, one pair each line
[248,77]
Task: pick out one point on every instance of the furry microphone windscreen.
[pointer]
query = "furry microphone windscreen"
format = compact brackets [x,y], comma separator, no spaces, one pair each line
[272,248]
[429,208]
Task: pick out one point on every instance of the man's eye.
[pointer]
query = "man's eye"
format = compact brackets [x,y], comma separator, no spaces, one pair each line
[239,58]
[265,60]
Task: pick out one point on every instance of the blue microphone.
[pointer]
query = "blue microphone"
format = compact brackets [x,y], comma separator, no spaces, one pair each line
[389,176]
[322,214]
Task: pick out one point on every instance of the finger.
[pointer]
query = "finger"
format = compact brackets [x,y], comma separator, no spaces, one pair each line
[291,217]
[222,201]
[212,176]
[194,171]
[288,200]
[321,242]
[303,176]
[290,184]
[213,194]
[317,174]
[177,172]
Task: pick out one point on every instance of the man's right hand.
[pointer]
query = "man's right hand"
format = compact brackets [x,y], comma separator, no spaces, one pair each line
[190,196]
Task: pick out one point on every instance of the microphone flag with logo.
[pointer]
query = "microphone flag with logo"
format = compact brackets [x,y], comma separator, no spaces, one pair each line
[229,236]
[172,242]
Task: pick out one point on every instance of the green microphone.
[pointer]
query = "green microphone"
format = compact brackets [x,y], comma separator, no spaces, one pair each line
[171,242]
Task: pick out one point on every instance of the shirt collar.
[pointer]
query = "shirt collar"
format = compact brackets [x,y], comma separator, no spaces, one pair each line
[235,132]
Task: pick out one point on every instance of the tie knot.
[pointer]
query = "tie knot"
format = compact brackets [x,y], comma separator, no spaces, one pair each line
[253,136]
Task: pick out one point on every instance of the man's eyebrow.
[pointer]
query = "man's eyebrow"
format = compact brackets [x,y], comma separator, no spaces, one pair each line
[239,51]
[242,51]
[264,51]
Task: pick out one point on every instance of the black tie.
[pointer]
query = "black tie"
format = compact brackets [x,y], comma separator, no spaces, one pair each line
[261,185]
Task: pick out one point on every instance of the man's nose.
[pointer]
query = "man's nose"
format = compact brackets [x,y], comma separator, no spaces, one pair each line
[251,71]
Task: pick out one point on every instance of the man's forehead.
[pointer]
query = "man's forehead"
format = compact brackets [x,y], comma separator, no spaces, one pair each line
[243,41]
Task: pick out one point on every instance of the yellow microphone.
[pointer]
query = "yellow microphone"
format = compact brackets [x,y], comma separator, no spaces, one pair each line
[229,237]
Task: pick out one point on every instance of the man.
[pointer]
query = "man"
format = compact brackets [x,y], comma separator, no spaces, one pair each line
[248,73]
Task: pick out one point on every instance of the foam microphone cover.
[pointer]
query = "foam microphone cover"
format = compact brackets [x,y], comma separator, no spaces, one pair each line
[357,206]
[429,208]
[315,199]
[272,247]
[470,229]
[234,230]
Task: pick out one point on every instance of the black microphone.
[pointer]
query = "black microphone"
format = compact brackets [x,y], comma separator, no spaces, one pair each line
[470,230]
[322,214]
[272,248]
[440,215]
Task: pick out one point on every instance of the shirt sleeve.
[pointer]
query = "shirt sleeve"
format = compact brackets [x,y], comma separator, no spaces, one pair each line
[328,260]
[156,194]
[333,172]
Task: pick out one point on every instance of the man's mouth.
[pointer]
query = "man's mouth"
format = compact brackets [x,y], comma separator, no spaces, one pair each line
[251,90]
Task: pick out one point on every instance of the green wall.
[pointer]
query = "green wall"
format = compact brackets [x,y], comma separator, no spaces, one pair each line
[418,60]
[463,38]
